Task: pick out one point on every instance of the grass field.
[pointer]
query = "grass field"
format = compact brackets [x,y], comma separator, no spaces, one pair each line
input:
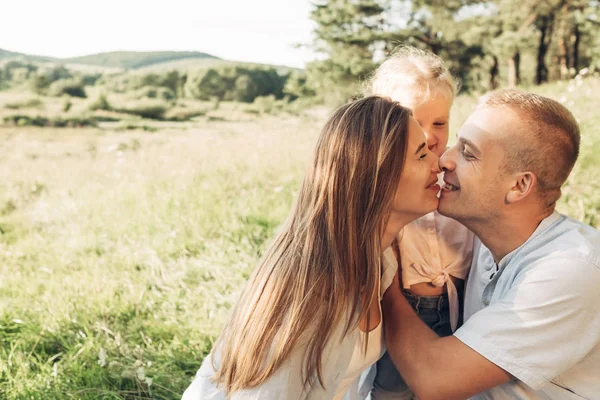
[122,251]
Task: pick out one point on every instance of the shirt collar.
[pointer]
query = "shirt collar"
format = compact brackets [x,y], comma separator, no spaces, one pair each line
[542,227]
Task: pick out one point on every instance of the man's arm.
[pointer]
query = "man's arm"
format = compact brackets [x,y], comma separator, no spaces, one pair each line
[433,367]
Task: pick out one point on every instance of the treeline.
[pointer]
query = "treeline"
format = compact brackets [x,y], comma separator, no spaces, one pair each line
[229,83]
[48,80]
[487,44]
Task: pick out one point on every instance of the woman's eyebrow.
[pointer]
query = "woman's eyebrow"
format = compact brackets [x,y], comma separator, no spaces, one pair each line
[421,146]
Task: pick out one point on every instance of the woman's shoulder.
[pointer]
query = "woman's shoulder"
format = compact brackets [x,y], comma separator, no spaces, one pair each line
[203,386]
[286,382]
[389,266]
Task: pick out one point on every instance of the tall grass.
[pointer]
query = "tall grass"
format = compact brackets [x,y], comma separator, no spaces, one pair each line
[121,252]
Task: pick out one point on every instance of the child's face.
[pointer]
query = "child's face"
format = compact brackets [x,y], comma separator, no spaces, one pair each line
[434,118]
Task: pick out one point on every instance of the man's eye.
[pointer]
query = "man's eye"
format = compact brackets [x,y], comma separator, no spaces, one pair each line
[467,155]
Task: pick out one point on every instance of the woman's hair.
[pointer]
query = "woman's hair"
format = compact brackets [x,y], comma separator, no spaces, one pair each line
[410,75]
[320,273]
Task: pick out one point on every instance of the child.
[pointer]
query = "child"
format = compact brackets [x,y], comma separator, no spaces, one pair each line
[435,251]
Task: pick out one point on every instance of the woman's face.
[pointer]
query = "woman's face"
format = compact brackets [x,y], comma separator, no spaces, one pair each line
[418,189]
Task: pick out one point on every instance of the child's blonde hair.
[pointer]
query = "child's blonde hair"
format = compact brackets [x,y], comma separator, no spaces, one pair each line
[410,75]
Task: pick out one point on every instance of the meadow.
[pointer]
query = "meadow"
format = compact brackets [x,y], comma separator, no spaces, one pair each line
[123,248]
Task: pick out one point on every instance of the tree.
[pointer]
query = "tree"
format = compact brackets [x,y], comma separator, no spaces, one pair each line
[577,25]
[348,33]
[545,21]
[213,85]
[245,89]
[296,86]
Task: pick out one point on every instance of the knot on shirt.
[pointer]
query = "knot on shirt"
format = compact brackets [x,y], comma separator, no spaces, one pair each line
[441,279]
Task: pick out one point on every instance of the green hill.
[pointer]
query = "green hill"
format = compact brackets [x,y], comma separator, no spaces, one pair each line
[134,59]
[142,62]
[116,59]
[7,55]
[193,64]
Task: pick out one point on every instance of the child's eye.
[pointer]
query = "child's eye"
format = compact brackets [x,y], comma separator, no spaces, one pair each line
[439,124]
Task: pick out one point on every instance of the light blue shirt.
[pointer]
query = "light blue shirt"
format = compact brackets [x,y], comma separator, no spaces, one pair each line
[535,314]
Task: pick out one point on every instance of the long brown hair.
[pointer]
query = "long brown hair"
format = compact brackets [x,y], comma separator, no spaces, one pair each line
[321,270]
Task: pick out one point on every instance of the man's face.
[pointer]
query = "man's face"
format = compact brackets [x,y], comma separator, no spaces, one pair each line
[476,183]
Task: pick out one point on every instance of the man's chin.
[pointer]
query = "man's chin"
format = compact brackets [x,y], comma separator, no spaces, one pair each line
[446,208]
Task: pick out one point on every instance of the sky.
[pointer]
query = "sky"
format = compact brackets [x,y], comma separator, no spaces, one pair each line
[262,31]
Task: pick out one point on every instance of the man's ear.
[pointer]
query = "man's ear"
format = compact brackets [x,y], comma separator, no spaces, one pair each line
[523,185]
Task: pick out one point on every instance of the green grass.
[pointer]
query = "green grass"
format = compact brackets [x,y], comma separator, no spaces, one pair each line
[123,250]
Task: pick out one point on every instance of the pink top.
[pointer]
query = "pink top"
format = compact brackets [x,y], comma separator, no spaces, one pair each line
[432,249]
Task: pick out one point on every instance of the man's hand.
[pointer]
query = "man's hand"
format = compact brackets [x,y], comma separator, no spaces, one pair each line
[433,367]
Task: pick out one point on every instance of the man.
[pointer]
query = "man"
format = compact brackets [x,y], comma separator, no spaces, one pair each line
[532,326]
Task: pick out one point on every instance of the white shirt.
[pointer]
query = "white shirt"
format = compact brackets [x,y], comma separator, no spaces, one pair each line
[346,372]
[535,314]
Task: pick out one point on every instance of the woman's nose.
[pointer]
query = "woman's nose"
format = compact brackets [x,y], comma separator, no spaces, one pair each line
[435,164]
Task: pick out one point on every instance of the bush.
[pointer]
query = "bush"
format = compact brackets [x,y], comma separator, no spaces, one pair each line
[270,105]
[28,103]
[184,114]
[67,104]
[300,104]
[91,79]
[38,83]
[245,89]
[235,83]
[151,92]
[41,80]
[146,109]
[101,103]
[134,127]
[28,120]
[296,86]
[265,104]
[71,87]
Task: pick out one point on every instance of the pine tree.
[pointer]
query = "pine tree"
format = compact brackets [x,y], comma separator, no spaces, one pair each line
[348,34]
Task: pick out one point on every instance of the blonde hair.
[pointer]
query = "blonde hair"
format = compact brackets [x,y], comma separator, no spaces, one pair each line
[547,144]
[320,273]
[411,76]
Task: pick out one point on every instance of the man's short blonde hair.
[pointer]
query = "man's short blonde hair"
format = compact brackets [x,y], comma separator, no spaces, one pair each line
[411,76]
[547,142]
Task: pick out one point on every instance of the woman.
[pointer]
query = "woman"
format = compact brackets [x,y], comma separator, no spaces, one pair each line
[309,321]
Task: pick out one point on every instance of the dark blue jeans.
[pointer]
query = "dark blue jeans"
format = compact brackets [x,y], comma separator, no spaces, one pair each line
[435,312]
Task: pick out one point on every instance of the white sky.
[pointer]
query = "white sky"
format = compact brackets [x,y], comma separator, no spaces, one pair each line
[244,30]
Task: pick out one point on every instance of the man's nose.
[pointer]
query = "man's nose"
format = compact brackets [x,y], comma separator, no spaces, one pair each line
[447,162]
